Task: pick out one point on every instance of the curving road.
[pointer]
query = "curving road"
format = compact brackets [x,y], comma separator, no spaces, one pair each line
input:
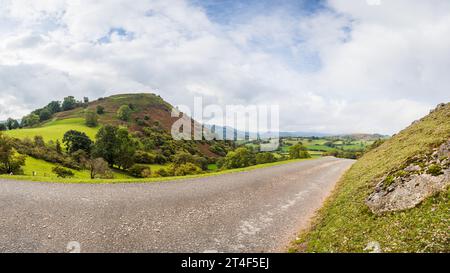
[255,211]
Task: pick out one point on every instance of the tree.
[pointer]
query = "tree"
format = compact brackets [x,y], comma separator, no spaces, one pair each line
[91,119]
[106,144]
[3,127]
[30,120]
[10,162]
[69,103]
[115,146]
[126,149]
[12,124]
[75,140]
[100,110]
[44,115]
[98,168]
[124,112]
[298,151]
[54,107]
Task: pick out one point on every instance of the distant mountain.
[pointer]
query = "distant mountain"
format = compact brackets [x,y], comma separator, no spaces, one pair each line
[362,136]
[231,132]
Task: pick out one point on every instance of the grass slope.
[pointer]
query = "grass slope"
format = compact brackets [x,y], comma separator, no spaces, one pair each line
[345,224]
[43,171]
[54,130]
[128,179]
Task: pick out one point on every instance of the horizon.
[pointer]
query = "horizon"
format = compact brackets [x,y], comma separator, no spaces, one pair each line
[332,66]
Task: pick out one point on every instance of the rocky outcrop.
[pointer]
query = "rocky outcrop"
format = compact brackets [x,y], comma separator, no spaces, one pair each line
[421,178]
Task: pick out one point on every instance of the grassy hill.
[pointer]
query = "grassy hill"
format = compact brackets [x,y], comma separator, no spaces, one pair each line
[148,110]
[54,129]
[345,223]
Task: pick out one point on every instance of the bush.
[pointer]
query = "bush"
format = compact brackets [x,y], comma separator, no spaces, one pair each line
[240,158]
[144,157]
[100,110]
[161,173]
[263,158]
[298,151]
[435,170]
[140,171]
[124,113]
[160,159]
[186,169]
[91,119]
[63,172]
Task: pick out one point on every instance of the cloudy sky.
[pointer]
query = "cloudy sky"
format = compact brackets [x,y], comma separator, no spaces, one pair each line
[336,66]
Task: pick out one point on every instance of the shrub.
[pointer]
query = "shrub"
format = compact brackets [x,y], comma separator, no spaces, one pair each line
[144,157]
[161,173]
[186,169]
[124,113]
[262,158]
[91,119]
[434,170]
[160,159]
[62,172]
[100,110]
[298,151]
[140,122]
[240,158]
[140,171]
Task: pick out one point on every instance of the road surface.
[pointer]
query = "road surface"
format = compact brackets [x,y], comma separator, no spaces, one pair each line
[254,211]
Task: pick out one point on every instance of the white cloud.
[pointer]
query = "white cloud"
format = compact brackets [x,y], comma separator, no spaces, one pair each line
[349,68]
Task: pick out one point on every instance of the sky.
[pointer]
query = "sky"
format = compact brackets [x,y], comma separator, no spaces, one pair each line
[336,66]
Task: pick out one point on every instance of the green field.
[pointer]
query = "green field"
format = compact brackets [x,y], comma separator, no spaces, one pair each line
[346,224]
[43,170]
[318,145]
[54,130]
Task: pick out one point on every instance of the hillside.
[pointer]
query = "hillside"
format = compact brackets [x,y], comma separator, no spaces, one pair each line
[148,110]
[347,224]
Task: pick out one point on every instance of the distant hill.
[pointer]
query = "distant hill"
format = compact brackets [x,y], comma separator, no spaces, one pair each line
[367,137]
[394,198]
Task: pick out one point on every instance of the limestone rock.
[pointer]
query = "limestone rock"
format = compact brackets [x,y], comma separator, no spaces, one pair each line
[424,176]
[408,194]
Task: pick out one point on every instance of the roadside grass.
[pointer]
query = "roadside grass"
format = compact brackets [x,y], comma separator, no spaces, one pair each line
[144,180]
[345,224]
[43,171]
[54,130]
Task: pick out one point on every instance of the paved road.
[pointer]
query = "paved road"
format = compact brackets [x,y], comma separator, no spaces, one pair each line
[255,211]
